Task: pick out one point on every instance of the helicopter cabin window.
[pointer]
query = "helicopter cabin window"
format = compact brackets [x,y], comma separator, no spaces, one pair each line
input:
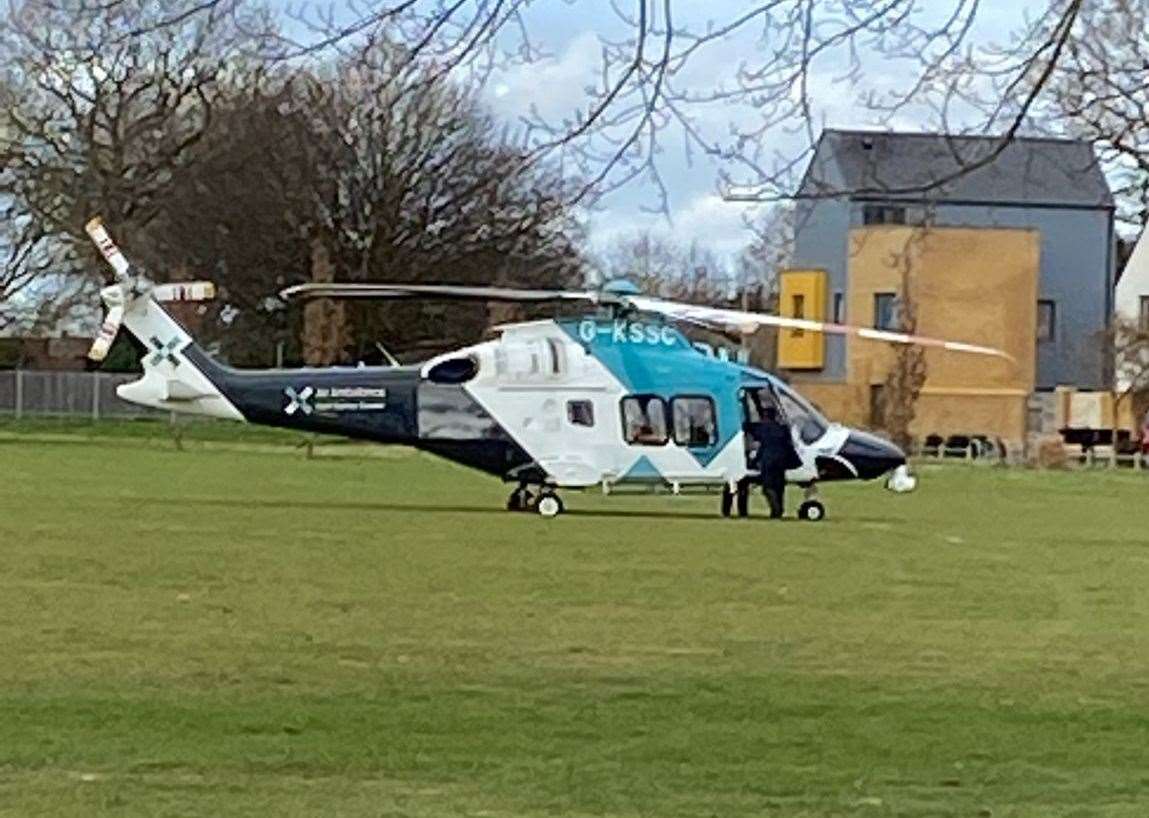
[694,423]
[580,412]
[644,420]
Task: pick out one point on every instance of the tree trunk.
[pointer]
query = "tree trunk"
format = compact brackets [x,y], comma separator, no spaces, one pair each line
[325,332]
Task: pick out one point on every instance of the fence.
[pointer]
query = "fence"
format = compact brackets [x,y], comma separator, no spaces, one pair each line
[992,453]
[89,395]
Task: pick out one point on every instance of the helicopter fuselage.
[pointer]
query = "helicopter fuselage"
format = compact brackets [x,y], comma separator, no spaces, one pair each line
[563,403]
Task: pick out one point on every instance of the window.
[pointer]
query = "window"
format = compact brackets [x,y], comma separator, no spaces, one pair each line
[1143,319]
[795,410]
[644,420]
[883,214]
[694,423]
[839,314]
[800,414]
[798,302]
[1046,320]
[580,412]
[885,311]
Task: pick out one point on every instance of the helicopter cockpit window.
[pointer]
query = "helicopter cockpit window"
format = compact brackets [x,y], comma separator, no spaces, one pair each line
[800,414]
[694,424]
[644,420]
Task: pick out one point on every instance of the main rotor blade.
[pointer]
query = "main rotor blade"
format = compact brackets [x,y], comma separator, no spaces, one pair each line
[747,322]
[453,292]
[739,320]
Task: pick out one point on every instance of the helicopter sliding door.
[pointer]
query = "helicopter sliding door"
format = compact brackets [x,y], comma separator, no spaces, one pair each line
[806,423]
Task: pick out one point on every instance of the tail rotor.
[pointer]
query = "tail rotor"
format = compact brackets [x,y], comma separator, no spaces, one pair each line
[126,288]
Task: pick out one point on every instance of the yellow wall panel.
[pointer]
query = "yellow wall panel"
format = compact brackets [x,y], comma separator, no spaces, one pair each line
[802,295]
[968,284]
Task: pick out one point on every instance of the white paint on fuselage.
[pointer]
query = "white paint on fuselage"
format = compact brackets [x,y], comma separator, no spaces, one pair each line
[530,403]
[170,382]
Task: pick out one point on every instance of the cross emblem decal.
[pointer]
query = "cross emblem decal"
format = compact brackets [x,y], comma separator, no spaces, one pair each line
[298,401]
[162,351]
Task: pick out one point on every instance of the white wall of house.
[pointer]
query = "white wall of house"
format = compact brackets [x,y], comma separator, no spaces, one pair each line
[1131,289]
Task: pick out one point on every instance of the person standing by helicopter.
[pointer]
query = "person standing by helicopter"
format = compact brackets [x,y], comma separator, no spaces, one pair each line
[775,454]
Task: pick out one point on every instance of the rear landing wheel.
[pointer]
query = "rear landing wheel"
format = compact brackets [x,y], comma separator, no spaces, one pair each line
[549,504]
[812,510]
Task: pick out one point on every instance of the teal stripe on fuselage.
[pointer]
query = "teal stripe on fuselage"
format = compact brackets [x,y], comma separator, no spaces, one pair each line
[652,358]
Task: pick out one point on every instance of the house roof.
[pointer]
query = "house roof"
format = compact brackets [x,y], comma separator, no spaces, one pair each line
[885,164]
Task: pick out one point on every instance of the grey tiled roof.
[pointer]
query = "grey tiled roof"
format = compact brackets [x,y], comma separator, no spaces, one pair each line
[1028,170]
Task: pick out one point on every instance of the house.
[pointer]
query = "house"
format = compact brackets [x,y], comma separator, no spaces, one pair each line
[1011,247]
[1131,310]
[44,353]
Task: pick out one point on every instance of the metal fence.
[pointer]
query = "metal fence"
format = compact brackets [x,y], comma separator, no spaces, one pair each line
[89,395]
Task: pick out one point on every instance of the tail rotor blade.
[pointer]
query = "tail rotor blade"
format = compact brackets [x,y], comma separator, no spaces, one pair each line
[99,235]
[114,299]
[117,295]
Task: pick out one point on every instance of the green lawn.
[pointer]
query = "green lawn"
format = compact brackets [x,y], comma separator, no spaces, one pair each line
[215,632]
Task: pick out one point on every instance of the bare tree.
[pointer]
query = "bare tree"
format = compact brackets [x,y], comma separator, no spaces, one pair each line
[660,266]
[907,374]
[662,72]
[1130,343]
[770,250]
[96,121]
[419,184]
[346,162]
[1100,93]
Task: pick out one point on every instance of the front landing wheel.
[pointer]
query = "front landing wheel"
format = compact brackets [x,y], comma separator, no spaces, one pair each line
[812,510]
[549,505]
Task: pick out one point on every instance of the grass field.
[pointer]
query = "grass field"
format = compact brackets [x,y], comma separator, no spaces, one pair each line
[217,632]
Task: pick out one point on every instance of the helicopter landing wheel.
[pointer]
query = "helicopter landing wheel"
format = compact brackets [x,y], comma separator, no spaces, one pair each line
[520,500]
[548,504]
[812,510]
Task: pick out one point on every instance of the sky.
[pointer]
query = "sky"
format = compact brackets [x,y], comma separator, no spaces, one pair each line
[570,31]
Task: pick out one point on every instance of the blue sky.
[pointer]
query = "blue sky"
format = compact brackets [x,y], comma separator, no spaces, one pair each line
[557,87]
[569,30]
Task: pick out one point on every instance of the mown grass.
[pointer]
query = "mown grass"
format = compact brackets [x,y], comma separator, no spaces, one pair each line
[219,632]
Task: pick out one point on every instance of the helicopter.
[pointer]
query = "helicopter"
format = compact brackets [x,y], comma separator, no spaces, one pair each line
[616,397]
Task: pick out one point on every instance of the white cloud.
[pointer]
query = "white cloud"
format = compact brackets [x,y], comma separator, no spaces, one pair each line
[705,218]
[556,87]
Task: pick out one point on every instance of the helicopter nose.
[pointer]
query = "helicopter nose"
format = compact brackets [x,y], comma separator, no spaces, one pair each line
[870,455]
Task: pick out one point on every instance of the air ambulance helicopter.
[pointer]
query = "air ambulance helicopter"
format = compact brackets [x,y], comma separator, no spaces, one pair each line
[616,397]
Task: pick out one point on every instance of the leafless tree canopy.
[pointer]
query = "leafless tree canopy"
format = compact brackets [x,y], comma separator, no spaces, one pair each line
[1100,92]
[210,159]
[110,101]
[93,120]
[657,72]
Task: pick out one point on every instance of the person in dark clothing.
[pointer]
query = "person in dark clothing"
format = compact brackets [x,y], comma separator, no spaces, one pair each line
[776,454]
[741,493]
